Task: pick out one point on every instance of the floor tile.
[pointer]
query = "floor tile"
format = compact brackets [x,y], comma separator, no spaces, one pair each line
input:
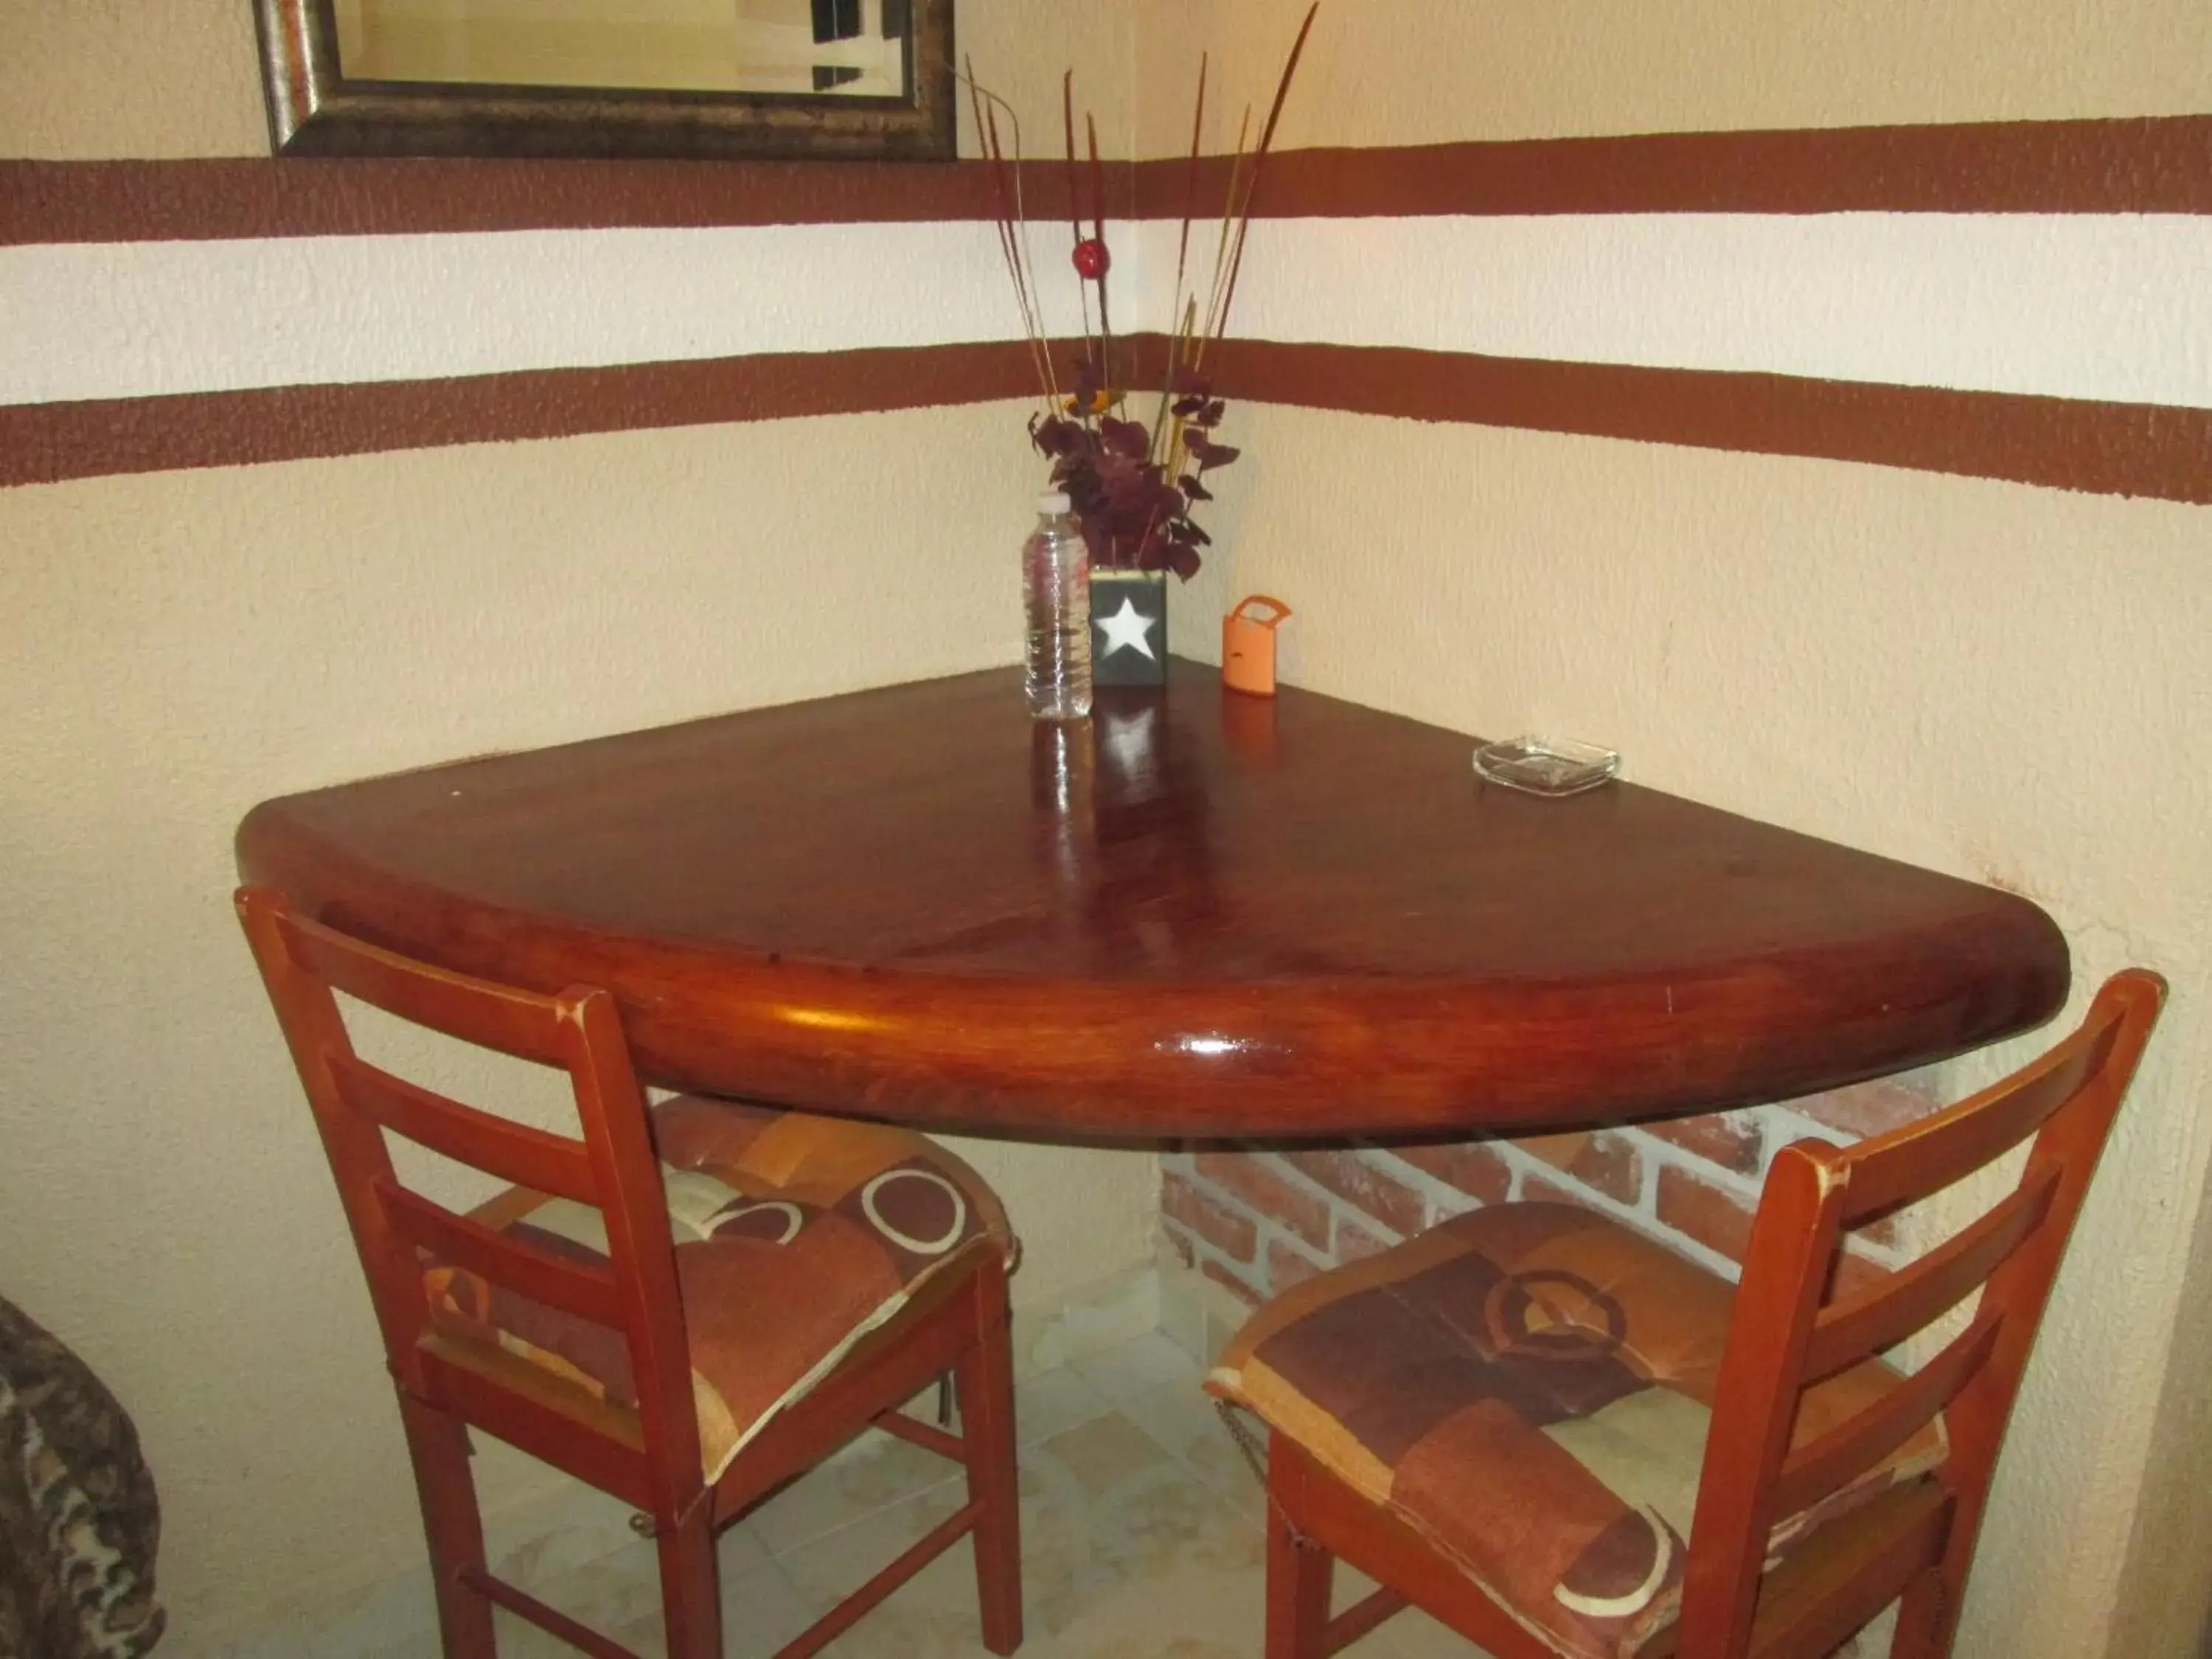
[399,1614]
[1104,1453]
[1185,1420]
[870,1476]
[1106,1511]
[1052,1402]
[571,1530]
[934,1612]
[1134,1367]
[1140,1532]
[761,1611]
[619,1596]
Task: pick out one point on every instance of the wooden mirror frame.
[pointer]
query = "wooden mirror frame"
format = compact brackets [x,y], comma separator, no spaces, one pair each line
[314,110]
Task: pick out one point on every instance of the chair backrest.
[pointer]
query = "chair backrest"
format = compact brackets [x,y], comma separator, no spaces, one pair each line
[611,1169]
[1790,1331]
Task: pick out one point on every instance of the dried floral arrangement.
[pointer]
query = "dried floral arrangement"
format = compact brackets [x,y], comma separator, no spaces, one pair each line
[1133,484]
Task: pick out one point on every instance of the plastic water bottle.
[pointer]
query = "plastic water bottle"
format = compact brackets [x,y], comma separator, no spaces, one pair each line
[1056,589]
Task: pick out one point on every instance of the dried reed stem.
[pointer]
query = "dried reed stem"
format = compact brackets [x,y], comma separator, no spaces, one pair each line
[1012,223]
[1267,141]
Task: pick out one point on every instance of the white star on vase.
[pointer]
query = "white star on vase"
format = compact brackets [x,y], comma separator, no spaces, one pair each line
[1127,627]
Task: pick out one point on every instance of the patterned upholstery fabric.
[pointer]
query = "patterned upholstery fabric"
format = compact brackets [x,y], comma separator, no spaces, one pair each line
[796,1234]
[79,1521]
[1529,1386]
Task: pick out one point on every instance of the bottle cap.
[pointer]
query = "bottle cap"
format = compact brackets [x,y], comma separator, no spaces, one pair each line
[1052,502]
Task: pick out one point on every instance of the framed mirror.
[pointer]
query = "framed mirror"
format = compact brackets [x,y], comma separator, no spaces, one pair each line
[792,78]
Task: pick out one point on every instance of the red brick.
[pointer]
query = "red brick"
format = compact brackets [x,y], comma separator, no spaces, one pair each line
[1868,1108]
[1241,1174]
[1286,1267]
[1355,1244]
[1734,1143]
[1698,1209]
[1231,1234]
[1602,1160]
[1357,1182]
[1721,1221]
[1534,1190]
[1476,1170]
[1221,1275]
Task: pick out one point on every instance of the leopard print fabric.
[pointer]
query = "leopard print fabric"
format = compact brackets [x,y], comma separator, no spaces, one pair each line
[79,1521]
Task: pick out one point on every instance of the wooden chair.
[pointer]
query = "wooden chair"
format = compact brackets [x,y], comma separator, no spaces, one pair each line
[564,1317]
[1513,1420]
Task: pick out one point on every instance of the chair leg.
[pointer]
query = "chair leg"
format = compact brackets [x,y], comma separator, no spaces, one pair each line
[1298,1576]
[437,1445]
[1924,1631]
[691,1585]
[985,1377]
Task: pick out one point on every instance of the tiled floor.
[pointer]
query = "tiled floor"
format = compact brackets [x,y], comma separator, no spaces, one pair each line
[1140,1536]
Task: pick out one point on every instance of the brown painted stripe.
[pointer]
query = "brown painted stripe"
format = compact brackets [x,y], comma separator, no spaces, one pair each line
[2107,449]
[2154,164]
[233,199]
[47,443]
[2126,449]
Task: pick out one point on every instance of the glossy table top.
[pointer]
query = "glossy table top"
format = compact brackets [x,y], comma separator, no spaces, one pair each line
[1196,914]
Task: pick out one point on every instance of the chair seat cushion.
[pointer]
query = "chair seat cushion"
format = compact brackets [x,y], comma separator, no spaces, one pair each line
[796,1234]
[1528,1386]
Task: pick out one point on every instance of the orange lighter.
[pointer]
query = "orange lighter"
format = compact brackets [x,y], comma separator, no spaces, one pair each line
[1247,645]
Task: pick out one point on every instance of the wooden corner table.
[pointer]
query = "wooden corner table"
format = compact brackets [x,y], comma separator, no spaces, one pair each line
[1198,913]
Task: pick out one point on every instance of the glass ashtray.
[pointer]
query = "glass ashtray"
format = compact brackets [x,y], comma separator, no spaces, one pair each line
[1545,766]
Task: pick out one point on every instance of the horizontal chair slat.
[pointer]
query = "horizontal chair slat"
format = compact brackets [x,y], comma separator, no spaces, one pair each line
[518,1153]
[531,1408]
[587,1292]
[1909,1164]
[515,1022]
[1855,1444]
[1851,1569]
[1915,1297]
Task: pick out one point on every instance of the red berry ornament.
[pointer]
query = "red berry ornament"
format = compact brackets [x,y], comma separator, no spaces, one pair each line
[1091,260]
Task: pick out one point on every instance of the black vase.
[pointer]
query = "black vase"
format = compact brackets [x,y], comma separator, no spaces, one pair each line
[1128,627]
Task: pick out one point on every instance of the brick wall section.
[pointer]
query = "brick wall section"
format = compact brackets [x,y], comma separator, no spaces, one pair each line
[1260,1221]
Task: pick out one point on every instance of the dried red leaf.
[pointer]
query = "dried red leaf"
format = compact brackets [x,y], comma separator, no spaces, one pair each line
[1124,438]
[1055,434]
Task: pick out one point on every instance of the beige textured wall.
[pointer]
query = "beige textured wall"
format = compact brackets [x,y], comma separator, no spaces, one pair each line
[1430,71]
[174,648]
[2165,1606]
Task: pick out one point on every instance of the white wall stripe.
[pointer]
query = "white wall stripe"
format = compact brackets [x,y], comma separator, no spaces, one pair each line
[146,319]
[2110,307]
